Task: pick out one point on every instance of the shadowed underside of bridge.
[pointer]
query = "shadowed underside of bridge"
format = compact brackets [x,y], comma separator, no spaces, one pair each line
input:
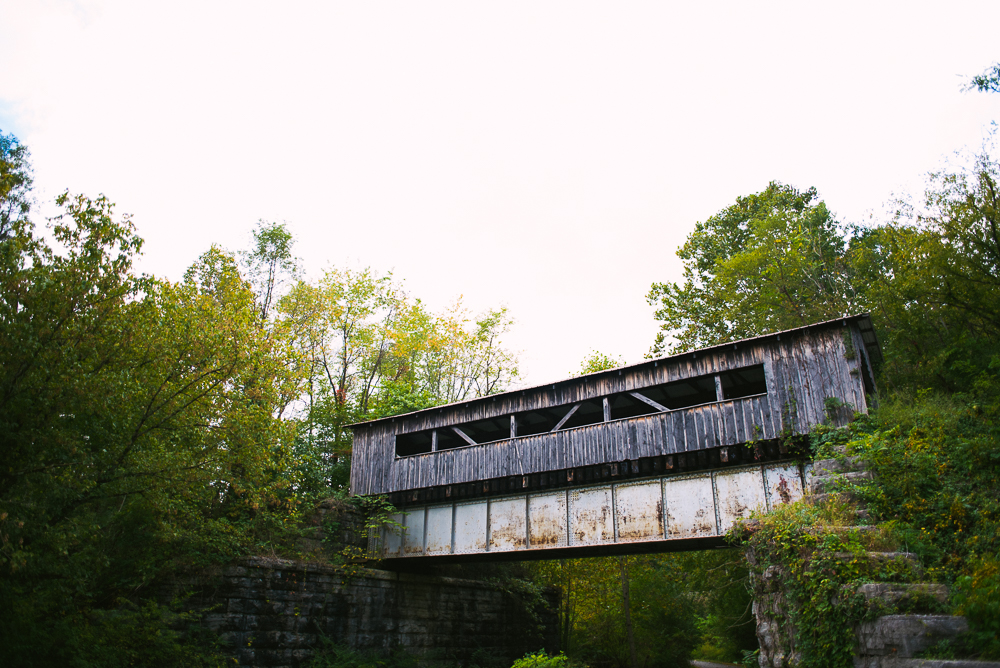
[659,456]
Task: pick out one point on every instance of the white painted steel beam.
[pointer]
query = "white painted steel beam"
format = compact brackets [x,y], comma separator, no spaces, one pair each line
[675,507]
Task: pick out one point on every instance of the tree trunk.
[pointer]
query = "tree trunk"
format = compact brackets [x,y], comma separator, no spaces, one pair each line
[623,569]
[567,605]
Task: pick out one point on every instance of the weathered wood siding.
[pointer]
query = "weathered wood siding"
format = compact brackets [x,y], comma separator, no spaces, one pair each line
[803,368]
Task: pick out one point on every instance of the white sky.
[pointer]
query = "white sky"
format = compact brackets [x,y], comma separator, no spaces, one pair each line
[549,156]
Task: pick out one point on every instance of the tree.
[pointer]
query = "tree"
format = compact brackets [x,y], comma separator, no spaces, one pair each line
[137,422]
[597,361]
[466,357]
[15,185]
[929,275]
[931,278]
[658,627]
[368,350]
[772,261]
[270,262]
[988,81]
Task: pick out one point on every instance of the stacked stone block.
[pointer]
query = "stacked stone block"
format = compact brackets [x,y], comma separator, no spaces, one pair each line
[274,613]
[890,640]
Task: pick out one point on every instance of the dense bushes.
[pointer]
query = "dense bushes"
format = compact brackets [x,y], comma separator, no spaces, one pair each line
[937,459]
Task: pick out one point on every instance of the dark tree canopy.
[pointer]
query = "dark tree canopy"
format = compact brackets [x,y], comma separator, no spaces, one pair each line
[771,261]
[930,275]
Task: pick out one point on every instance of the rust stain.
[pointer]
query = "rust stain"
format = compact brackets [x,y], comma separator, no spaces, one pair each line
[637,526]
[507,528]
[547,520]
[507,537]
[782,489]
[546,532]
[690,507]
[593,526]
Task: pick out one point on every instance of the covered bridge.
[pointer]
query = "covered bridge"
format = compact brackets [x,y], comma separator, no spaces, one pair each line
[672,448]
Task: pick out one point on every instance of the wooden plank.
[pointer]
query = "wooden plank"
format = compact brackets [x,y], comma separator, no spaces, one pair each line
[644,398]
[674,436]
[565,418]
[656,434]
[709,420]
[739,434]
[627,447]
[724,423]
[861,360]
[690,430]
[464,436]
[665,435]
[698,418]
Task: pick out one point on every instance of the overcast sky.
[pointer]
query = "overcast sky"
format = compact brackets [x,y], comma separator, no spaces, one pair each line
[549,156]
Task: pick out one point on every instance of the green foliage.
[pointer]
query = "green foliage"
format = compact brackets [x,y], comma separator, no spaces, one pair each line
[149,426]
[598,361]
[127,634]
[662,608]
[139,431]
[750,658]
[366,350]
[778,259]
[772,261]
[818,560]
[15,186]
[352,559]
[540,659]
[720,584]
[270,262]
[988,81]
[529,595]
[332,655]
[937,460]
[977,597]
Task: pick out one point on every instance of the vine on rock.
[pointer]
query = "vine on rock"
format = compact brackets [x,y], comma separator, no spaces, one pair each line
[806,563]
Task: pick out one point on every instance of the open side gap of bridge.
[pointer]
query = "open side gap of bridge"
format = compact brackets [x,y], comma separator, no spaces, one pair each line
[661,514]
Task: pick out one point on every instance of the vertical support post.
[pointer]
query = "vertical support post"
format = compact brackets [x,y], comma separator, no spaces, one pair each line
[614,512]
[607,410]
[663,508]
[719,394]
[569,515]
[513,426]
[715,504]
[426,514]
[527,521]
[434,440]
[454,514]
[489,529]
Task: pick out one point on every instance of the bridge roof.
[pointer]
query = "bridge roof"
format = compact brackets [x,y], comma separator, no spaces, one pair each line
[863,321]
